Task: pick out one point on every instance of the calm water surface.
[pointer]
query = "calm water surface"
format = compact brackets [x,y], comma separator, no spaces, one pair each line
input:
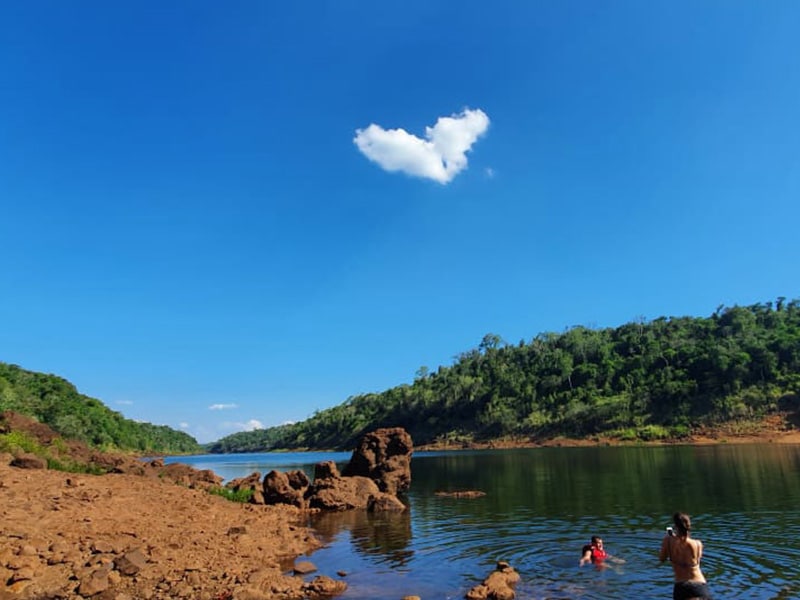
[543,504]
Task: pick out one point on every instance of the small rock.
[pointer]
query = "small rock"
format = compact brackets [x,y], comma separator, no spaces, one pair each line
[101,547]
[132,562]
[94,583]
[304,567]
[29,461]
[325,586]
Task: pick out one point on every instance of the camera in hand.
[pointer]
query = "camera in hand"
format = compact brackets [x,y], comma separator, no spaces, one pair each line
[670,531]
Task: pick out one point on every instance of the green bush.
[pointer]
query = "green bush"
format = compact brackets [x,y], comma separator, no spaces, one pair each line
[71,466]
[243,496]
[650,433]
[19,441]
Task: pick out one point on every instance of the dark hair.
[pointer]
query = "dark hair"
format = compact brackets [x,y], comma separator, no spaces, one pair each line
[595,539]
[682,523]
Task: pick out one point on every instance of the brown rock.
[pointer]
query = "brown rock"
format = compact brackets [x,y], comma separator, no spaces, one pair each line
[101,546]
[26,460]
[304,567]
[341,493]
[94,582]
[385,502]
[462,494]
[285,488]
[324,586]
[499,585]
[384,456]
[326,470]
[132,562]
[252,483]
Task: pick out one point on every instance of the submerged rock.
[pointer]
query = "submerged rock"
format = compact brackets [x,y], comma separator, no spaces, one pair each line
[499,585]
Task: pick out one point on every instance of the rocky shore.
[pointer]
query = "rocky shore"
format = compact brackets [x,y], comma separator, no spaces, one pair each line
[146,530]
[120,537]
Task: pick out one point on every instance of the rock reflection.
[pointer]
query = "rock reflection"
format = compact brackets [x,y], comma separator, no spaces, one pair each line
[386,535]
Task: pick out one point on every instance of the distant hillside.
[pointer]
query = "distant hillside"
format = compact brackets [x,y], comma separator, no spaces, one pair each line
[55,401]
[642,380]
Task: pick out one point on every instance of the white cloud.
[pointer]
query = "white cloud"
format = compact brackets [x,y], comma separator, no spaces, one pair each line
[253,424]
[223,406]
[246,426]
[125,402]
[183,425]
[441,156]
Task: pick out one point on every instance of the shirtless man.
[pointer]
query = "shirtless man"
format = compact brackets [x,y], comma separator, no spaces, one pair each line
[685,553]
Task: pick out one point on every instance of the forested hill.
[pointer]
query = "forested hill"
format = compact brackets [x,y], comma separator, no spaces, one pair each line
[55,402]
[643,380]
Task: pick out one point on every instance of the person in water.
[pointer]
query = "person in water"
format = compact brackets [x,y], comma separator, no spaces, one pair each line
[685,553]
[595,553]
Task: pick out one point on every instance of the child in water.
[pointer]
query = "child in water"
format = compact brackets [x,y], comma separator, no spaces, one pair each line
[595,553]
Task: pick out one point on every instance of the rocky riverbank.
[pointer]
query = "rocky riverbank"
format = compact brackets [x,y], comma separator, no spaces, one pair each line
[142,531]
[120,537]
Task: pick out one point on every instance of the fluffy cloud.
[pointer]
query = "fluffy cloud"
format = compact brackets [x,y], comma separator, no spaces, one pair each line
[253,424]
[440,156]
[247,426]
[222,406]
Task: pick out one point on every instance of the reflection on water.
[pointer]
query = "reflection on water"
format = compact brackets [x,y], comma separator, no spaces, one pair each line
[384,536]
[542,505]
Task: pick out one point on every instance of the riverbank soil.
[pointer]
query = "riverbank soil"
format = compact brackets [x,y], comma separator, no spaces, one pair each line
[138,537]
[118,537]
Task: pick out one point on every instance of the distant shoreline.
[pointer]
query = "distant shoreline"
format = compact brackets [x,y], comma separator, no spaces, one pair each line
[775,437]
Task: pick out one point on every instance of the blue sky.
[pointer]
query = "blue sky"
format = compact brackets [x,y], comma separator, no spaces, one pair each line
[219,215]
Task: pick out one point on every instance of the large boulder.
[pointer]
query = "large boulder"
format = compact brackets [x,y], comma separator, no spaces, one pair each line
[331,491]
[286,488]
[384,456]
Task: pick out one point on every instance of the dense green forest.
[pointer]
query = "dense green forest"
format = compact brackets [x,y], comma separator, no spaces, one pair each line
[55,401]
[643,380]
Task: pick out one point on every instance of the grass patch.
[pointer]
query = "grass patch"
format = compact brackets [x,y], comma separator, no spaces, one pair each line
[650,433]
[70,466]
[15,442]
[242,496]
[18,442]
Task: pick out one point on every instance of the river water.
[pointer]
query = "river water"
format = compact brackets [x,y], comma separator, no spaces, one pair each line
[541,506]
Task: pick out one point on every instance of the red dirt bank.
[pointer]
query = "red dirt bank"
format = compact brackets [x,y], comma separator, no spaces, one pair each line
[141,536]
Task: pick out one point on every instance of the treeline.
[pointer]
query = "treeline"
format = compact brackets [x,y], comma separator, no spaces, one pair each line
[55,401]
[643,380]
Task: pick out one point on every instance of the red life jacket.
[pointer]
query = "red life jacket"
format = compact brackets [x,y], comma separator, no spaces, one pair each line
[598,554]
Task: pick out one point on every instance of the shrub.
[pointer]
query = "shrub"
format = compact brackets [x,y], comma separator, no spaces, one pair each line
[243,495]
[19,441]
[650,433]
